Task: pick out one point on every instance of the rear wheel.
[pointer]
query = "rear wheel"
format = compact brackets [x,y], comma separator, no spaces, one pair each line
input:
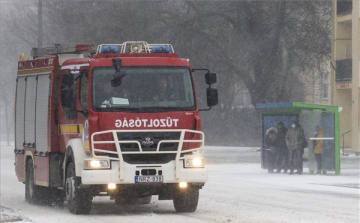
[79,199]
[186,200]
[35,194]
[31,190]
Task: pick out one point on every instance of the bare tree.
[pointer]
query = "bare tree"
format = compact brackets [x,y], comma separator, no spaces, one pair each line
[267,47]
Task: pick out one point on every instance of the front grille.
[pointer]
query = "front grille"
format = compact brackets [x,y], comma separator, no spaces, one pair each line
[156,137]
[148,158]
[139,147]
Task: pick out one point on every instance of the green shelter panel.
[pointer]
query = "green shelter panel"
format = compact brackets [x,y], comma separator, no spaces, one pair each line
[325,121]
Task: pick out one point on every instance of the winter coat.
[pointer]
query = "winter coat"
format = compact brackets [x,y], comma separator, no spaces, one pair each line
[305,143]
[281,143]
[271,138]
[319,144]
[295,138]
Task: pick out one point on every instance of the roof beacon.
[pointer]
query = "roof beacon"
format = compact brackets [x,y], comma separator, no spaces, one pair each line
[135,47]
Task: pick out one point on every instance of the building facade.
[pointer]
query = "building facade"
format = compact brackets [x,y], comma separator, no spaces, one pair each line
[345,70]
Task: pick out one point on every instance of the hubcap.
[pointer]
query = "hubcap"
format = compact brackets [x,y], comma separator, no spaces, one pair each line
[70,188]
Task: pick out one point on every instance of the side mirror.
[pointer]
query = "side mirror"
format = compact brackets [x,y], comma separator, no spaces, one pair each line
[210,78]
[212,96]
[211,93]
[68,79]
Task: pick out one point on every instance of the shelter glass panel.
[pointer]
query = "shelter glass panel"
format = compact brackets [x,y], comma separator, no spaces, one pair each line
[320,134]
[272,121]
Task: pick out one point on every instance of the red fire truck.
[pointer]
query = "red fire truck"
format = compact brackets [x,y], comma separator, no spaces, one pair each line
[121,121]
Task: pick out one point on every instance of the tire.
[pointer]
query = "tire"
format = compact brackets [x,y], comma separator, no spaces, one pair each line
[187,200]
[31,190]
[40,195]
[79,199]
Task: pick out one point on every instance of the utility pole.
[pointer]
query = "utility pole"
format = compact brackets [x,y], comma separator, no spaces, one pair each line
[40,24]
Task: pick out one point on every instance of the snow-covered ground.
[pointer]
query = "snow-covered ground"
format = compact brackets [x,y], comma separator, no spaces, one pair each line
[238,191]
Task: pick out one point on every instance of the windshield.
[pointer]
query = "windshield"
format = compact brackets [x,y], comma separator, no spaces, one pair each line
[143,89]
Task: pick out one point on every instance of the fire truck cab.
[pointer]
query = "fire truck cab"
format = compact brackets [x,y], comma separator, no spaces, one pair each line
[121,121]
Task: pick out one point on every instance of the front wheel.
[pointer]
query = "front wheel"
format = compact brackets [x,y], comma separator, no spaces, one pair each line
[79,199]
[186,200]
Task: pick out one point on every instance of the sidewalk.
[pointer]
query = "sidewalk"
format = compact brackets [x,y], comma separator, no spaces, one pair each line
[349,165]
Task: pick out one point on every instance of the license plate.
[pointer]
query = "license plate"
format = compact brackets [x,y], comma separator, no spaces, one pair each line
[148,179]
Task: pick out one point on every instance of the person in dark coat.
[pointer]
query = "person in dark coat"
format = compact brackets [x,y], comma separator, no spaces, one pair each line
[283,151]
[295,142]
[271,147]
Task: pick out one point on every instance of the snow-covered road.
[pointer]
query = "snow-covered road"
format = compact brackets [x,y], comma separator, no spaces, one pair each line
[238,191]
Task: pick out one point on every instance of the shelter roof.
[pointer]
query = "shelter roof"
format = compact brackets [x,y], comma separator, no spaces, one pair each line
[297,107]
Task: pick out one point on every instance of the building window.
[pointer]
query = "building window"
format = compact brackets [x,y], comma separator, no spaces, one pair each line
[344,7]
[324,86]
[344,70]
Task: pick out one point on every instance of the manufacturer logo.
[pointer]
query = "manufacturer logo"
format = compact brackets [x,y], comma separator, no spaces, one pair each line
[147,141]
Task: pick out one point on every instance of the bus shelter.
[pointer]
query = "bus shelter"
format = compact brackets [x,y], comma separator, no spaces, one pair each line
[308,116]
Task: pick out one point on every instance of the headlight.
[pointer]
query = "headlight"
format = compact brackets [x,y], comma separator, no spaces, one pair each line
[96,164]
[194,162]
[183,185]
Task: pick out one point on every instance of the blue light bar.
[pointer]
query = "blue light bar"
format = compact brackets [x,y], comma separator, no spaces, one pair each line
[161,49]
[109,49]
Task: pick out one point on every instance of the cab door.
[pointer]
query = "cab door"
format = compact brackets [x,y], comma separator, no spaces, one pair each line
[82,107]
[69,127]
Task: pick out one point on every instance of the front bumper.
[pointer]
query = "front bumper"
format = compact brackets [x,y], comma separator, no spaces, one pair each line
[121,172]
[190,175]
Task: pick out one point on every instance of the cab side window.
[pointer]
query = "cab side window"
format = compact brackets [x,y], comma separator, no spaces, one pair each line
[84,92]
[68,93]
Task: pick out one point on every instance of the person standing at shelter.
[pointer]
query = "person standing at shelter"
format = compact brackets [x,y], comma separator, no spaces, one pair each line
[295,140]
[318,147]
[305,144]
[271,147]
[283,151]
